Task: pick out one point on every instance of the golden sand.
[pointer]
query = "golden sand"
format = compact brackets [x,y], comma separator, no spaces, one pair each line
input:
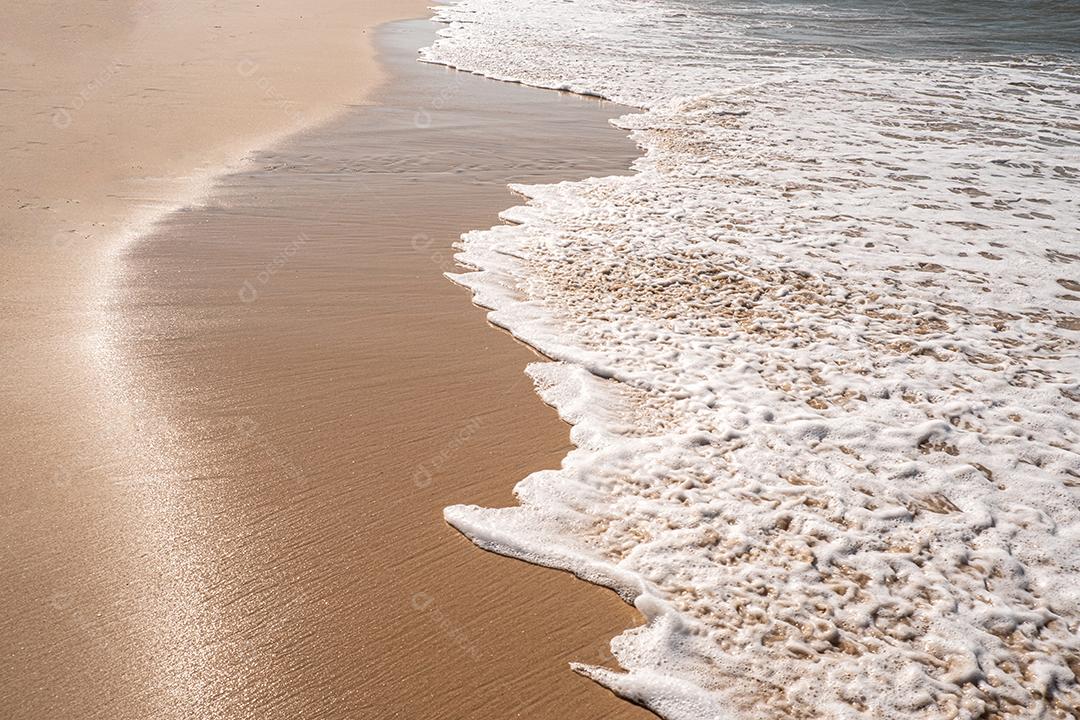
[226,444]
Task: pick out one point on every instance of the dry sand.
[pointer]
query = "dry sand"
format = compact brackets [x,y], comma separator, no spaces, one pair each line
[112,105]
[226,446]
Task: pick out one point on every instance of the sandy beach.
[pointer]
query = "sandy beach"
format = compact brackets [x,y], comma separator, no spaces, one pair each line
[238,390]
[539,359]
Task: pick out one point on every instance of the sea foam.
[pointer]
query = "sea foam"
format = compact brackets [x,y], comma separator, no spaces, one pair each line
[819,352]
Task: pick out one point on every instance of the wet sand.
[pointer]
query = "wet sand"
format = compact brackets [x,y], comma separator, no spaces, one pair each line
[299,393]
[110,114]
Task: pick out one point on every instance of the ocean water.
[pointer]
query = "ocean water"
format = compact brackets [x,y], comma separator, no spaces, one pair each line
[820,349]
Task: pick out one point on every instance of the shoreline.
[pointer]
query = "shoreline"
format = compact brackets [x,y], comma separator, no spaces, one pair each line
[287,354]
[811,368]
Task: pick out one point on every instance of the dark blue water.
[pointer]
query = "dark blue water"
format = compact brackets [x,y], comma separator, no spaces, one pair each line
[976,29]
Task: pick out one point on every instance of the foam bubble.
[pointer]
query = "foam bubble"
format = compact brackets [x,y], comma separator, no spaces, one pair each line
[820,356]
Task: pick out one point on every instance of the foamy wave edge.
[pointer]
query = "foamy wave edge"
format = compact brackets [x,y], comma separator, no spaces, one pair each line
[534,530]
[541,529]
[568,383]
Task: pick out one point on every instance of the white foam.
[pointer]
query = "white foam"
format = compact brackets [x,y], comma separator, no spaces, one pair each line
[823,377]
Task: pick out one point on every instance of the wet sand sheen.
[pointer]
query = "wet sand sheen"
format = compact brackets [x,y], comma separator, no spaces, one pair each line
[111,113]
[316,392]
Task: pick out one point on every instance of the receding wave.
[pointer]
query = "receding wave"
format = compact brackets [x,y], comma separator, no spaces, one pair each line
[820,356]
